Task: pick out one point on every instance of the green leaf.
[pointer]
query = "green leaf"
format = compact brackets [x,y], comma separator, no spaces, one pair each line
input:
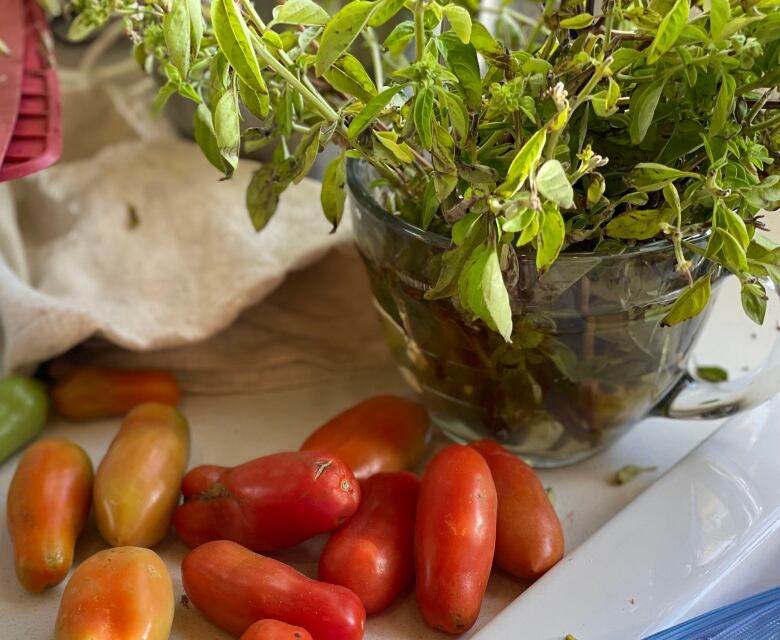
[303,12]
[177,31]
[203,129]
[642,108]
[731,251]
[401,152]
[672,198]
[350,77]
[723,104]
[524,162]
[553,184]
[227,127]
[372,109]
[385,10]
[462,61]
[443,158]
[307,150]
[460,19]
[720,14]
[195,13]
[400,37]
[453,260]
[456,112]
[256,102]
[341,31]
[712,374]
[626,474]
[579,21]
[430,204]
[483,40]
[520,220]
[690,303]
[423,116]
[262,194]
[652,176]
[234,40]
[754,300]
[638,225]
[669,30]
[334,193]
[481,287]
[552,232]
[731,221]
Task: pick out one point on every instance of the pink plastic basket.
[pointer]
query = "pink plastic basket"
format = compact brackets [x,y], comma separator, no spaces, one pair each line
[30,119]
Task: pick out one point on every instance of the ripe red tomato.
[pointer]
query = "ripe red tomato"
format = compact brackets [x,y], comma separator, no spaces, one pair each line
[200,479]
[529,535]
[275,630]
[269,503]
[455,538]
[383,433]
[234,588]
[373,553]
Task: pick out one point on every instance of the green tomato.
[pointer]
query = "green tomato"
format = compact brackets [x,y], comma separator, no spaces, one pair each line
[24,407]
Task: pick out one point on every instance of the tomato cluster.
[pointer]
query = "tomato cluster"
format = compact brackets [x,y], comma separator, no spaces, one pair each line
[474,506]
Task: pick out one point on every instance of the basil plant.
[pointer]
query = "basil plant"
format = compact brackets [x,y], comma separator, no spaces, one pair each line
[570,131]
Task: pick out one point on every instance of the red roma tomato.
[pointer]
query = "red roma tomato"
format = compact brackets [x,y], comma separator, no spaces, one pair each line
[200,479]
[384,433]
[275,630]
[234,587]
[529,536]
[455,537]
[269,503]
[124,593]
[88,393]
[48,505]
[373,553]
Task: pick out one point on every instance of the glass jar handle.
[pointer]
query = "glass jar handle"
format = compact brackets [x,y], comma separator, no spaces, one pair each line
[691,398]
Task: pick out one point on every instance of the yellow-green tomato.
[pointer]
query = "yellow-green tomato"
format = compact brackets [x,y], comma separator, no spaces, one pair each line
[118,594]
[137,483]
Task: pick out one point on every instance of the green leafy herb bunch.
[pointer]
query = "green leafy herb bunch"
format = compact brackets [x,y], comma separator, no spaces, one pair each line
[651,120]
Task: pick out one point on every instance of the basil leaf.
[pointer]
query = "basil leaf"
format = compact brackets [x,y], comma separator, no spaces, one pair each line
[256,102]
[730,250]
[669,30]
[227,127]
[430,205]
[520,221]
[423,116]
[524,162]
[177,34]
[401,152]
[307,150]
[398,39]
[481,287]
[341,31]
[754,300]
[303,12]
[460,19]
[350,77]
[652,176]
[454,260]
[690,303]
[579,21]
[385,10]
[234,40]
[626,474]
[334,194]
[638,225]
[372,109]
[483,40]
[462,61]
[712,374]
[203,129]
[723,104]
[195,13]
[642,108]
[720,14]
[262,194]
[552,182]
[549,241]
